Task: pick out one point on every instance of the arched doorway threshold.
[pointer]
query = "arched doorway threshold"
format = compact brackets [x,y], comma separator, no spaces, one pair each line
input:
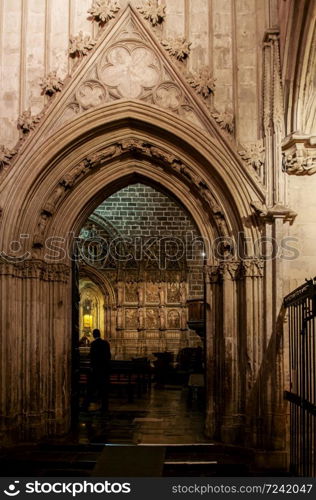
[52,189]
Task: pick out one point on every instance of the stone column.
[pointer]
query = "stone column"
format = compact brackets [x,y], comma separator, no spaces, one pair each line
[229,353]
[213,315]
[36,346]
[273,118]
[252,342]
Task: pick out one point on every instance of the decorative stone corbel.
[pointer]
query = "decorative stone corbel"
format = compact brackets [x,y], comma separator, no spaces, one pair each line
[260,210]
[275,212]
[178,47]
[6,156]
[203,82]
[104,10]
[281,212]
[27,122]
[225,120]
[299,155]
[80,44]
[253,155]
[153,12]
[51,84]
[39,236]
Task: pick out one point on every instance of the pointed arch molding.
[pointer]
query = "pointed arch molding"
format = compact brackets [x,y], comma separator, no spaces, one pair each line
[55,185]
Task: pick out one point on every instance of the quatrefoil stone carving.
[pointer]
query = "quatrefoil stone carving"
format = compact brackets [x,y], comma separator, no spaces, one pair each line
[130,71]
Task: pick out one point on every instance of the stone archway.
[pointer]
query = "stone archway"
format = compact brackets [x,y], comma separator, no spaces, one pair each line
[59,184]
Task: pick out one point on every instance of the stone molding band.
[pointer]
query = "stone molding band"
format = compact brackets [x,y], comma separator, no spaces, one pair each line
[35,269]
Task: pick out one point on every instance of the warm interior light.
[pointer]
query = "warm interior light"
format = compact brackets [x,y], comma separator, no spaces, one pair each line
[87,321]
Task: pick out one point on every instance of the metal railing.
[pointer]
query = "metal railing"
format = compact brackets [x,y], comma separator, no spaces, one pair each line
[301,305]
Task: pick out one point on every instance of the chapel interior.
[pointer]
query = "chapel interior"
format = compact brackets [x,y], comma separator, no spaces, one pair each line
[157,183]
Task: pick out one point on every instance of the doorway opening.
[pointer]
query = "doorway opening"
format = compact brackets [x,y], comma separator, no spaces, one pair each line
[141,283]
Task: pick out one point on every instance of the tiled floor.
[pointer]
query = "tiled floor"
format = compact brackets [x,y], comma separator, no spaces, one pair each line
[163,416]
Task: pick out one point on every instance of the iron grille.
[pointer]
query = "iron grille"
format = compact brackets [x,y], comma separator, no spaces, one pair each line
[301,304]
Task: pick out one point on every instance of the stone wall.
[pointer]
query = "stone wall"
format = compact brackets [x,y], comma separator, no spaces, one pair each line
[223,34]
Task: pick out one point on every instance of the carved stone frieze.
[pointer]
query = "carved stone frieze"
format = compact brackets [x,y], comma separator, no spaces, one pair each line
[37,269]
[27,122]
[102,11]
[51,84]
[6,156]
[178,47]
[253,155]
[81,44]
[153,12]
[203,82]
[225,270]
[225,120]
[295,164]
[299,155]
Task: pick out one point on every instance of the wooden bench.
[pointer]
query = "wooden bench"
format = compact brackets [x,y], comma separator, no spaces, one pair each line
[132,375]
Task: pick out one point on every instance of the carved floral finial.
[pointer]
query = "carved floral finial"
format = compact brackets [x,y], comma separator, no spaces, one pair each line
[153,12]
[178,47]
[104,10]
[203,82]
[51,84]
[6,155]
[225,120]
[81,44]
[253,155]
[27,122]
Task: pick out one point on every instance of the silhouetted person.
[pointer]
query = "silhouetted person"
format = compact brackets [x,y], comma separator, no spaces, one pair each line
[99,379]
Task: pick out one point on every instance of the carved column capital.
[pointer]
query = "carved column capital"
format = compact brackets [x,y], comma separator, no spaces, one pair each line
[230,270]
[36,269]
[252,268]
[212,274]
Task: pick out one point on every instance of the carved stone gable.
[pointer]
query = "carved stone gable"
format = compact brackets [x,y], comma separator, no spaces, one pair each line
[128,62]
